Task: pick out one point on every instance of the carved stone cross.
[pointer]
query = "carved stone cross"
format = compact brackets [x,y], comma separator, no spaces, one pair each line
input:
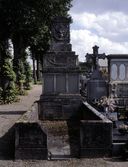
[95,57]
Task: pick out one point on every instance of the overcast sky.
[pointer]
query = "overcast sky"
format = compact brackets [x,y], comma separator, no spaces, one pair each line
[99,22]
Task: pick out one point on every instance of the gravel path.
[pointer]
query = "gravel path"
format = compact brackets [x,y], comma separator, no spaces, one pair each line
[11,112]
[70,163]
[25,101]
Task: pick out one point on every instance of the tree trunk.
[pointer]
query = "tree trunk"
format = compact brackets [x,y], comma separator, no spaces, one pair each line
[34,70]
[17,55]
[38,70]
[4,81]
[18,67]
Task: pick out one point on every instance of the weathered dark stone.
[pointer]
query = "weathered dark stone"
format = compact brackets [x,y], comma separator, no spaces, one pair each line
[96,86]
[61,75]
[59,107]
[95,133]
[93,58]
[42,139]
[60,32]
[31,141]
[57,129]
[96,138]
[60,59]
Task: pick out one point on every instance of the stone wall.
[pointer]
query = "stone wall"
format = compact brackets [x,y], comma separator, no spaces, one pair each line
[95,133]
[96,138]
[30,139]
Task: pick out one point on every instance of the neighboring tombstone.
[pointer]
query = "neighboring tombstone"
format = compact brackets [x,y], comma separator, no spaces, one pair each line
[96,86]
[83,85]
[93,58]
[61,97]
[118,78]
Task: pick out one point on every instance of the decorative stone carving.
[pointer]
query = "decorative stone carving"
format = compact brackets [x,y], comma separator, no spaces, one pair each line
[60,60]
[71,61]
[60,29]
[60,74]
[93,58]
[60,32]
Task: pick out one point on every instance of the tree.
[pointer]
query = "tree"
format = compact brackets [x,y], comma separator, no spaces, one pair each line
[7,87]
[27,23]
[27,73]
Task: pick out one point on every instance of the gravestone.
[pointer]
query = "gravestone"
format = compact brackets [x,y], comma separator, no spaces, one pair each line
[60,98]
[118,78]
[96,86]
[58,128]
[93,58]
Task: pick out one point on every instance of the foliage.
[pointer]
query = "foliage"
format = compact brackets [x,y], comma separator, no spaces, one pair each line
[7,90]
[9,95]
[26,23]
[28,76]
[1,95]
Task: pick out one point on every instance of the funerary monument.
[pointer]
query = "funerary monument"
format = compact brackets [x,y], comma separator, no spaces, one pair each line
[96,86]
[60,125]
[118,78]
[60,97]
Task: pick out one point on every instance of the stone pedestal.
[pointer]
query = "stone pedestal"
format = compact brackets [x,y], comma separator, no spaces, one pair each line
[59,107]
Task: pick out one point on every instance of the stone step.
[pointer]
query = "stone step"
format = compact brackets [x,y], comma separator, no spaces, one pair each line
[117,148]
[59,157]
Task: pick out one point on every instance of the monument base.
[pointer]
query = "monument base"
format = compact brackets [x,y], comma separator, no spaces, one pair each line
[62,107]
[62,139]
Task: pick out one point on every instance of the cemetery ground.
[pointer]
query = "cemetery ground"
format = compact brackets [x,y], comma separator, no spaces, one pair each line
[9,114]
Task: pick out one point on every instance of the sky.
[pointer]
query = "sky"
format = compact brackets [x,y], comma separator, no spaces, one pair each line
[99,22]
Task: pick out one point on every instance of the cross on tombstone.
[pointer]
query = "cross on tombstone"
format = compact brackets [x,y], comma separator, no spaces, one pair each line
[95,57]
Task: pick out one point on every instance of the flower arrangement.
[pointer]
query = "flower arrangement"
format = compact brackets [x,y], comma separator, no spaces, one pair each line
[123,129]
[108,103]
